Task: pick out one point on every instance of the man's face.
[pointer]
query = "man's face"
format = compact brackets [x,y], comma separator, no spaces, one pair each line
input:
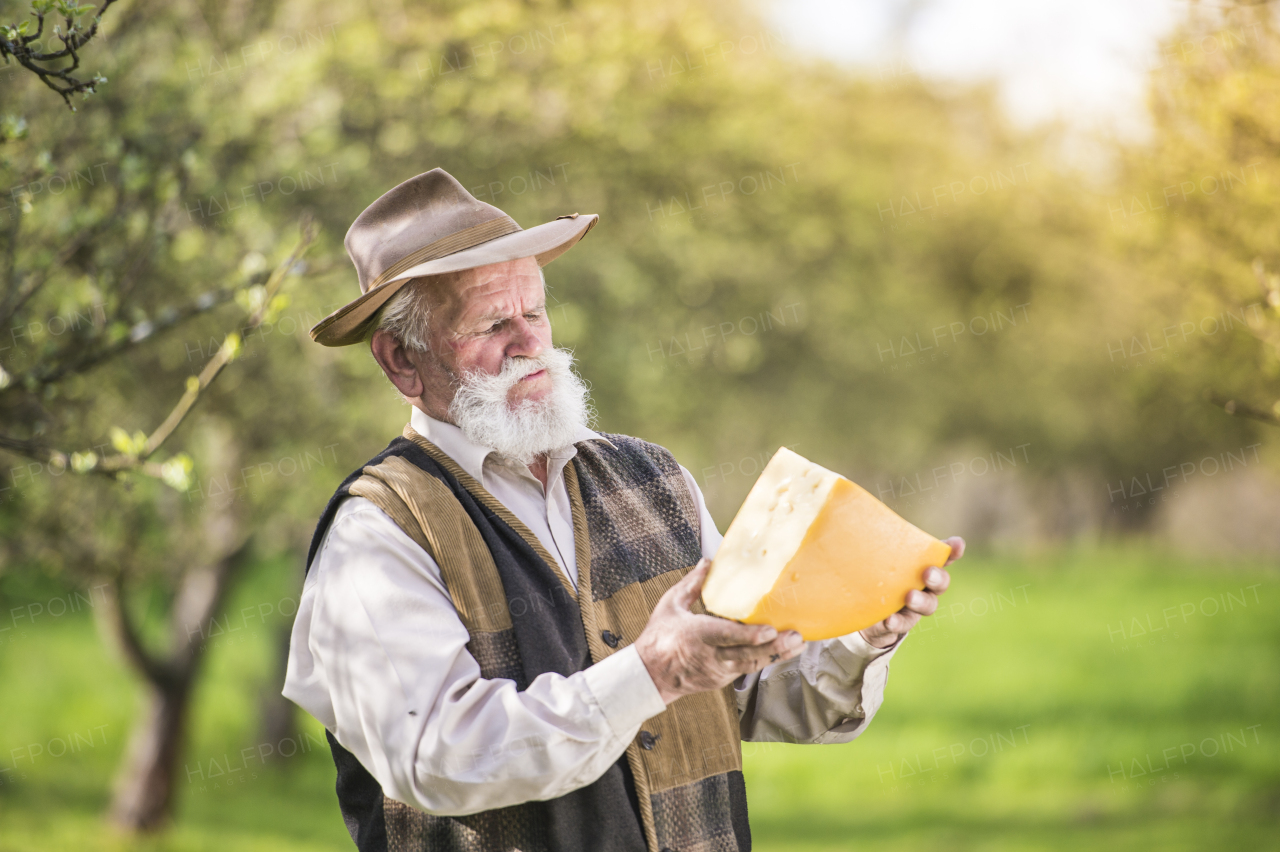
[490,368]
[480,317]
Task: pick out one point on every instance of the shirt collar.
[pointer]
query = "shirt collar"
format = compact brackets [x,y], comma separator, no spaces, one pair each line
[471,456]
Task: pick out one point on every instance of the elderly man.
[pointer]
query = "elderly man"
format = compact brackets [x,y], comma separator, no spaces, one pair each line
[500,627]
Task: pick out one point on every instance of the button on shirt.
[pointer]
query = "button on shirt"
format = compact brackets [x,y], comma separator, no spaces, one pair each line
[378,655]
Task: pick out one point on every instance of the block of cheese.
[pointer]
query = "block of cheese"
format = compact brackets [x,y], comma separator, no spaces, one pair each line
[812,551]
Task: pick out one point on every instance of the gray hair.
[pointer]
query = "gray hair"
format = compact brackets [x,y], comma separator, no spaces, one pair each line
[407,316]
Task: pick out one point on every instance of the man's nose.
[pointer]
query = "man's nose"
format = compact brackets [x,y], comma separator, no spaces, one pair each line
[524,340]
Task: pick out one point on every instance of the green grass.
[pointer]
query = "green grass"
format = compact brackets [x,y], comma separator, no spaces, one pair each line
[1005,726]
[1092,699]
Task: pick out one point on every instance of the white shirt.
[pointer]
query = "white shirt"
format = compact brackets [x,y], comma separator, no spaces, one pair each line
[378,656]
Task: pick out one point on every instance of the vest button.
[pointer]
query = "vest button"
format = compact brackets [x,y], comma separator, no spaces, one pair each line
[610,639]
[648,740]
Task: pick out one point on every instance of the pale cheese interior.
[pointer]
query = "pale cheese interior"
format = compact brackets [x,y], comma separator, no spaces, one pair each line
[766,533]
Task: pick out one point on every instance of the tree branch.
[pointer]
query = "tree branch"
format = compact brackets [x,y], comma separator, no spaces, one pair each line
[1242,409]
[60,461]
[230,347]
[16,297]
[196,385]
[199,600]
[15,42]
[126,632]
[11,259]
[75,359]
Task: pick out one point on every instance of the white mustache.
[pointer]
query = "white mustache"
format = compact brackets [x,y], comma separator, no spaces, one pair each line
[513,370]
[481,410]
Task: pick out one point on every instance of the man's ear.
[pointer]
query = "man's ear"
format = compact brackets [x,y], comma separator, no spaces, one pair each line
[394,360]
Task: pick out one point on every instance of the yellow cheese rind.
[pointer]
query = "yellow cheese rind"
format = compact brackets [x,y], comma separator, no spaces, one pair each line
[853,568]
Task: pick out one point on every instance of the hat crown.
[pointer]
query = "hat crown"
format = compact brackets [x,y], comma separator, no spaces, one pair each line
[430,225]
[423,210]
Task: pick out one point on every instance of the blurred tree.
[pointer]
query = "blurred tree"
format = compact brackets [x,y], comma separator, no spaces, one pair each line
[1206,184]
[885,276]
[93,287]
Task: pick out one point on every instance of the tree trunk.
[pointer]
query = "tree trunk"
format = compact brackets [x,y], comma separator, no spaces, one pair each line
[279,714]
[144,790]
[144,797]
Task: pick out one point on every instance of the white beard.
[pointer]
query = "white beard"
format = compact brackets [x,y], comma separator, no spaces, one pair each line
[481,410]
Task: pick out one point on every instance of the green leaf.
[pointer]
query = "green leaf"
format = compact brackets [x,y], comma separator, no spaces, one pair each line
[120,440]
[126,444]
[84,462]
[176,472]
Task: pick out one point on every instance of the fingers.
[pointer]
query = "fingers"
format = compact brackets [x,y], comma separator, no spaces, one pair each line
[724,633]
[684,593]
[957,549]
[937,580]
[784,646]
[924,603]
[901,621]
[918,605]
[880,634]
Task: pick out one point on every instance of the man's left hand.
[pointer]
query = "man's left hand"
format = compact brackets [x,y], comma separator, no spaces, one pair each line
[919,603]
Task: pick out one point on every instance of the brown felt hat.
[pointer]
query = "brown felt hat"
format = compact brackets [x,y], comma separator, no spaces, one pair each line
[429,225]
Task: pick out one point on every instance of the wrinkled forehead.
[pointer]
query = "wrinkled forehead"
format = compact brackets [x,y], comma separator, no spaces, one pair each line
[497,289]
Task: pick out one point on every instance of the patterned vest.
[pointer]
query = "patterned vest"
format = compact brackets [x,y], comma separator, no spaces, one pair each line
[679,787]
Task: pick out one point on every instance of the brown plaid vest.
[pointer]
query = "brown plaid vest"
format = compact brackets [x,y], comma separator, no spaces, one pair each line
[679,787]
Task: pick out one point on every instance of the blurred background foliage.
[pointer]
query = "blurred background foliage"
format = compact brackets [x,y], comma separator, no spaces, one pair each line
[882,274]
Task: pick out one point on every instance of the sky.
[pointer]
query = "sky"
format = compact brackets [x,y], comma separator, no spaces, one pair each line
[1083,61]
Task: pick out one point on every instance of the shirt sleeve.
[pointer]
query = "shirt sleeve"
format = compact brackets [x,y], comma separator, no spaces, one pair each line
[827,694]
[378,655]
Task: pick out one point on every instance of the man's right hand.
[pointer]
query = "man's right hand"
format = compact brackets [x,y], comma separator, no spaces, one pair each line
[687,653]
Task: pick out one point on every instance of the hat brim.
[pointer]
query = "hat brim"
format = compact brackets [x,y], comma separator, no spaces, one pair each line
[546,242]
